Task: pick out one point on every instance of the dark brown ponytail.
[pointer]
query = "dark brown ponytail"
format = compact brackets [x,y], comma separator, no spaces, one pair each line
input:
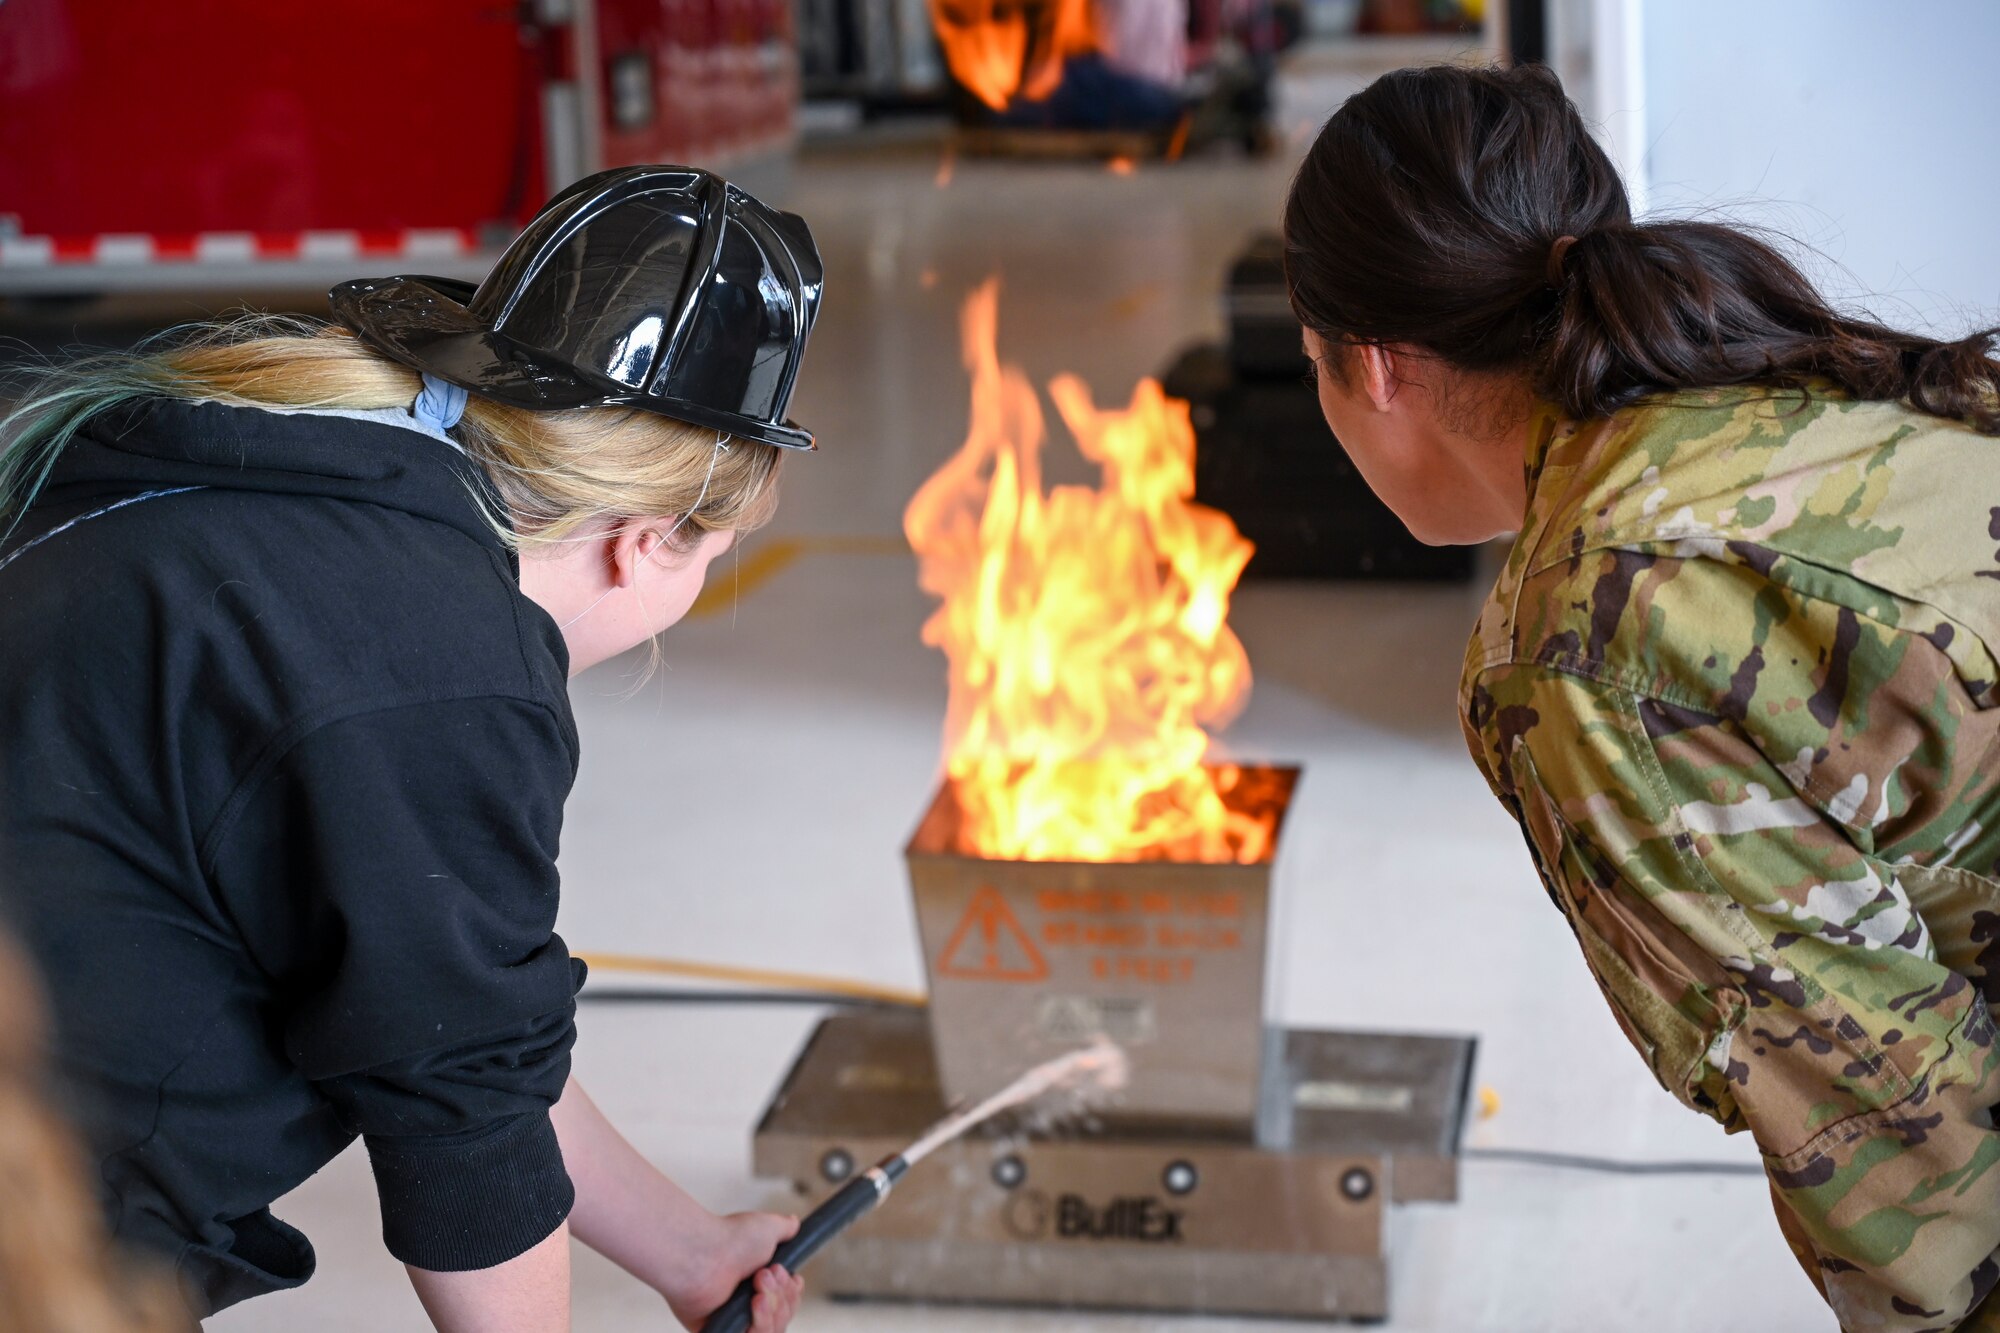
[1469,213]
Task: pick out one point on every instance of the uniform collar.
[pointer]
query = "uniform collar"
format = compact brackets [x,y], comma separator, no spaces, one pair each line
[1545,425]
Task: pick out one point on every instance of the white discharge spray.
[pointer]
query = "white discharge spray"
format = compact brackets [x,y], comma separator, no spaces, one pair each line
[1096,1068]
[721,448]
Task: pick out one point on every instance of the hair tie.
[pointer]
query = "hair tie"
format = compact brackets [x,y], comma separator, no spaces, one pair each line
[1557,253]
[439,405]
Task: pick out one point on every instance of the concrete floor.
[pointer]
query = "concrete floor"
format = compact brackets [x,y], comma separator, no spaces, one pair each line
[748,804]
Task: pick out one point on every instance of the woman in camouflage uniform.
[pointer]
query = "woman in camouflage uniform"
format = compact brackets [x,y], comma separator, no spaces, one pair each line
[1738,680]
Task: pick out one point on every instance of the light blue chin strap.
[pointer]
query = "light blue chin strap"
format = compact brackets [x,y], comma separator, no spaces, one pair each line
[440,405]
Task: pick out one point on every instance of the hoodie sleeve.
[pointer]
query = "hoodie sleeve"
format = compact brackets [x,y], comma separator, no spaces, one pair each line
[393,873]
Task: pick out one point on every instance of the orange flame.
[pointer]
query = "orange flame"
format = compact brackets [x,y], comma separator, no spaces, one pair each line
[1003,49]
[1086,629]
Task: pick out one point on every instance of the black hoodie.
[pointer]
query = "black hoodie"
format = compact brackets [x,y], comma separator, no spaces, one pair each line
[285,751]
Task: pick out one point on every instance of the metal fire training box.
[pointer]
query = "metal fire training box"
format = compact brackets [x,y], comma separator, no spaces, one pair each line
[1029,959]
[1245,1169]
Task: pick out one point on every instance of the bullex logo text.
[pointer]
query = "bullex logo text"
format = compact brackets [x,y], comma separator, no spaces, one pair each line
[1142,1219]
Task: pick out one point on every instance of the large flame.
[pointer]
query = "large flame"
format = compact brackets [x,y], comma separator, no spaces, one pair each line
[1003,49]
[1086,629]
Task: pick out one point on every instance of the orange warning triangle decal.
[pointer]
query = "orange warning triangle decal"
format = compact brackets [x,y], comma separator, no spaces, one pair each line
[989,944]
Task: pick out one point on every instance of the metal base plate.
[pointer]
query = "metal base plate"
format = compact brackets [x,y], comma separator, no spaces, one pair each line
[1142,1217]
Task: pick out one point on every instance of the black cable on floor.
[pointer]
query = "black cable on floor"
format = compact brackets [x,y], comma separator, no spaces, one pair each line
[1610,1165]
[663,995]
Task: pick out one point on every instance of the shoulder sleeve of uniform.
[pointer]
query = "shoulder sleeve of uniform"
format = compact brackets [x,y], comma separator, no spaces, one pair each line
[1855,704]
[1775,975]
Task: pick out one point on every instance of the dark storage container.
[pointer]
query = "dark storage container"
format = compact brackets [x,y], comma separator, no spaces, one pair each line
[1265,457]
[1263,332]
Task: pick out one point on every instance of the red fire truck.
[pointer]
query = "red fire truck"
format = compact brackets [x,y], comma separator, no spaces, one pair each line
[242,143]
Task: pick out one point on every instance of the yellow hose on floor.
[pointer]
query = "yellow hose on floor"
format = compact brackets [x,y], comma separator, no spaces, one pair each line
[728,584]
[758,977]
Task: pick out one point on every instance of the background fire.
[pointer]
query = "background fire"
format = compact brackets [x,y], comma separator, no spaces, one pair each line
[1001,49]
[1086,629]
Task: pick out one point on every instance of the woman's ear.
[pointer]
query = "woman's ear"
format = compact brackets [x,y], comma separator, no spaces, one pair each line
[629,545]
[1376,369]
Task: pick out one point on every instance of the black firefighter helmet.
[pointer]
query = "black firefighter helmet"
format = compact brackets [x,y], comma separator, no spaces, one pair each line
[660,288]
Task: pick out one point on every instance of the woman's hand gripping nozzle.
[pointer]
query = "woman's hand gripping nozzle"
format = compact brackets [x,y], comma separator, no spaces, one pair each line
[1088,1074]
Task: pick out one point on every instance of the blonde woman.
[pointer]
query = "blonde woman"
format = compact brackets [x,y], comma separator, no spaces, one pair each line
[286,616]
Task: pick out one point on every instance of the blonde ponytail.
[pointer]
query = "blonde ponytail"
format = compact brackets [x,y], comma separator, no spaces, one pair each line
[555,471]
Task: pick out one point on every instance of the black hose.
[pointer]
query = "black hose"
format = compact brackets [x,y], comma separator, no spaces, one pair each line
[674,995]
[1610,1165]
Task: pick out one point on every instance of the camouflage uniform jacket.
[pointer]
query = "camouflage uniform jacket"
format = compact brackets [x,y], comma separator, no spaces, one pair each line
[1738,684]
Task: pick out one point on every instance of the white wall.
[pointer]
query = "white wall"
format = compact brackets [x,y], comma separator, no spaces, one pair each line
[1869,129]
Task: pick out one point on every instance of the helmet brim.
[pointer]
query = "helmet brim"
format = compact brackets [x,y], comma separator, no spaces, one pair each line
[424,323]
